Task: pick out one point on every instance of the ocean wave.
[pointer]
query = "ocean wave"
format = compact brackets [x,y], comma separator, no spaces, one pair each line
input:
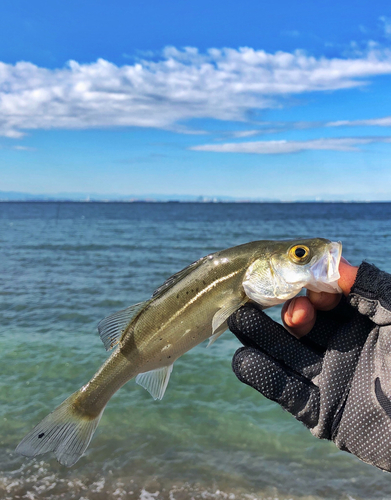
[38,481]
[211,438]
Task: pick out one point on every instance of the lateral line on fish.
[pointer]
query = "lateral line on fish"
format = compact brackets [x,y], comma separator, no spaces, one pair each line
[199,294]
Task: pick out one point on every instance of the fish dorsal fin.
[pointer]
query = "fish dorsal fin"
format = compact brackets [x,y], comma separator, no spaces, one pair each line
[219,321]
[172,280]
[112,327]
[155,381]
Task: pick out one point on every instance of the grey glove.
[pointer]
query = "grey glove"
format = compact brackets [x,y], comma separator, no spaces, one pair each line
[337,379]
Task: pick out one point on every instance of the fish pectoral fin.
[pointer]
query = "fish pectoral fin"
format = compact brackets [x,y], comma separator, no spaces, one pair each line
[219,321]
[220,330]
[112,327]
[155,381]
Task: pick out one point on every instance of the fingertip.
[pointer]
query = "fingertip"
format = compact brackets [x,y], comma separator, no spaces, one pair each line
[298,311]
[348,275]
[303,312]
[299,316]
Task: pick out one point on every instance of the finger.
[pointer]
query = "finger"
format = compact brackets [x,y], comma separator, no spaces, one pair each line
[328,323]
[323,301]
[348,275]
[298,316]
[255,329]
[294,393]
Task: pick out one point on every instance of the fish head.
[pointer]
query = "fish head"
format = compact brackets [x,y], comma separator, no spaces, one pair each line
[288,266]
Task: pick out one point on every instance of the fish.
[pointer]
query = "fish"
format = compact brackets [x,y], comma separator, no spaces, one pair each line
[187,309]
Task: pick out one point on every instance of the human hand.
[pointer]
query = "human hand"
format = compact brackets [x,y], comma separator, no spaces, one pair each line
[299,314]
[337,378]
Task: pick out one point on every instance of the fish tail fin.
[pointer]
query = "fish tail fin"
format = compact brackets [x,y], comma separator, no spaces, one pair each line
[64,431]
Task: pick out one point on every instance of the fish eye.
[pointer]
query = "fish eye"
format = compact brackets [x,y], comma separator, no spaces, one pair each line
[299,253]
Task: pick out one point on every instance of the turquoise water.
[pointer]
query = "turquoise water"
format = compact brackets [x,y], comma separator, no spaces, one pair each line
[63,267]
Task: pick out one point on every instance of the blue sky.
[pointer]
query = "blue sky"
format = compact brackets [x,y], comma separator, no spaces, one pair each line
[285,100]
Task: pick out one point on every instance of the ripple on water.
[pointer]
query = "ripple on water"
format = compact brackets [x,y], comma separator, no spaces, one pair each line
[65,266]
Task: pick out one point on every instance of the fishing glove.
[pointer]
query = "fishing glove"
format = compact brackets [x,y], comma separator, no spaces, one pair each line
[337,379]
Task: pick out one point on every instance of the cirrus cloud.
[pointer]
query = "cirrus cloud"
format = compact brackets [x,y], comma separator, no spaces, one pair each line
[372,122]
[288,147]
[222,84]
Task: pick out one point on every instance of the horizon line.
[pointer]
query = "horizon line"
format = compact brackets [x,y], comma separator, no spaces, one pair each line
[209,202]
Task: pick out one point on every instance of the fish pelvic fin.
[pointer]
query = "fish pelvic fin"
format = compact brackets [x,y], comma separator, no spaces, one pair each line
[219,321]
[64,431]
[155,381]
[113,327]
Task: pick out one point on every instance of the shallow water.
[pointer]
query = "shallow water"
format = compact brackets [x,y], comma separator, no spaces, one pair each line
[64,266]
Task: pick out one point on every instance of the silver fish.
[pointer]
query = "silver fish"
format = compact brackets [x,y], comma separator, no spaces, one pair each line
[190,307]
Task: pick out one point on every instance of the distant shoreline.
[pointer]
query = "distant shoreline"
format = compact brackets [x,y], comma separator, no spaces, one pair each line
[194,202]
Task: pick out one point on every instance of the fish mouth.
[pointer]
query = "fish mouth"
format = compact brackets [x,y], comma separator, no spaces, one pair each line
[325,271]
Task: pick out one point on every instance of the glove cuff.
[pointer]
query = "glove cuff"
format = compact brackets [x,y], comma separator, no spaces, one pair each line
[371,294]
[371,283]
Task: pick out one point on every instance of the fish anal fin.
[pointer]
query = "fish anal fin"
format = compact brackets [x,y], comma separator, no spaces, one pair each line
[155,381]
[219,321]
[112,327]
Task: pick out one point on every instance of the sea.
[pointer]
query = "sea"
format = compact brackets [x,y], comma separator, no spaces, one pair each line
[65,266]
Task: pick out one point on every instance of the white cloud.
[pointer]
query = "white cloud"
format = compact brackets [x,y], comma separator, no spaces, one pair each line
[379,122]
[23,148]
[288,147]
[239,134]
[223,84]
[271,128]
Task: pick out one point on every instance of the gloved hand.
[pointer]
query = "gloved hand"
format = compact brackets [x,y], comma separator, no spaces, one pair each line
[337,379]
